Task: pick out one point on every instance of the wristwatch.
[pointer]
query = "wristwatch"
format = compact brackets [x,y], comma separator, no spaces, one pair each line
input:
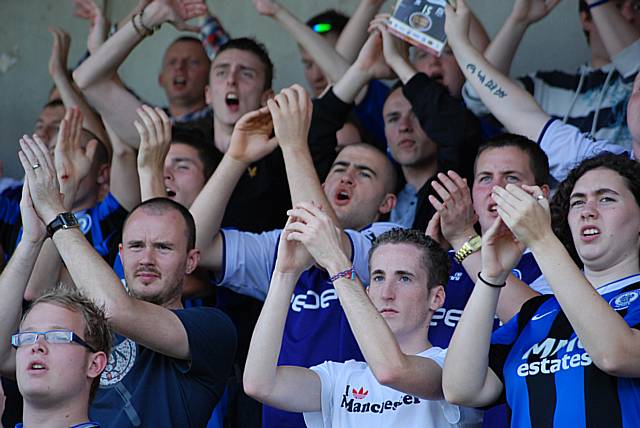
[472,245]
[62,221]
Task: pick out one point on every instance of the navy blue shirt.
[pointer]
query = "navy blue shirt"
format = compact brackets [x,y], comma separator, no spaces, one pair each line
[141,387]
[82,425]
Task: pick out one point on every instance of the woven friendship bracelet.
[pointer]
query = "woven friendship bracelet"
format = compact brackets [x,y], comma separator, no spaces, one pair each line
[349,273]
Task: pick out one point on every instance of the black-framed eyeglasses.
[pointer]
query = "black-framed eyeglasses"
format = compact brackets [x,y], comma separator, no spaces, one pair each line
[51,336]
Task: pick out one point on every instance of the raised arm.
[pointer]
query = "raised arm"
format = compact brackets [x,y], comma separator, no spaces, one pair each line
[123,164]
[613,345]
[393,368]
[123,176]
[369,65]
[14,277]
[478,34]
[98,23]
[148,324]
[71,96]
[332,64]
[395,50]
[212,34]
[291,114]
[72,163]
[249,143]
[467,379]
[331,110]
[616,32]
[355,32]
[264,380]
[154,128]
[511,105]
[503,47]
[96,76]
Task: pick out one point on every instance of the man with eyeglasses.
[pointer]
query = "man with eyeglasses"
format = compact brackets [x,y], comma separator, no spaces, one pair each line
[62,343]
[55,367]
[163,352]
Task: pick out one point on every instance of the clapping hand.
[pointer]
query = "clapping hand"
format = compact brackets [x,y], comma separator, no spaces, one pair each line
[250,140]
[40,176]
[266,7]
[319,234]
[73,157]
[291,114]
[154,128]
[99,24]
[525,210]
[180,11]
[293,257]
[59,52]
[455,208]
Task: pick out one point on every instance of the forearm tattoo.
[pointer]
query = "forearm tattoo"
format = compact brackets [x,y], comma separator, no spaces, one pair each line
[488,83]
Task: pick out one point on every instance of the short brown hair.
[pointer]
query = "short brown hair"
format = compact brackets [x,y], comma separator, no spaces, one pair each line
[96,332]
[160,206]
[434,259]
[251,45]
[538,160]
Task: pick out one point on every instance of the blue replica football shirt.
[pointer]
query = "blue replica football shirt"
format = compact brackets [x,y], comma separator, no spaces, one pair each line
[101,225]
[550,379]
[458,291]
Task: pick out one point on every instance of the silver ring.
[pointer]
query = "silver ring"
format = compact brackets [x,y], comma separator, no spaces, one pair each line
[35,166]
[540,197]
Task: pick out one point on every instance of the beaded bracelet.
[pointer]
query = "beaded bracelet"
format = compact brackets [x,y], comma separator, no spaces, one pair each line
[349,273]
[490,284]
[149,31]
[140,32]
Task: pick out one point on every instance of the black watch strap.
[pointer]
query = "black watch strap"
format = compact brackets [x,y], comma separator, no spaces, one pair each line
[62,221]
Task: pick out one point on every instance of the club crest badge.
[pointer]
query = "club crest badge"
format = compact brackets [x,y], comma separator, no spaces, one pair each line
[121,360]
[624,300]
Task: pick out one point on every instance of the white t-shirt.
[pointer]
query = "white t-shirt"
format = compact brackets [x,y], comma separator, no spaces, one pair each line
[352,397]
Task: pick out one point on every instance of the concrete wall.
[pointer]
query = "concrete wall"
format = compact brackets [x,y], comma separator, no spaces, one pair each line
[556,42]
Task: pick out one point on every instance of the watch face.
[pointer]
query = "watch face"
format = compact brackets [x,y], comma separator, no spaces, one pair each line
[62,221]
[475,242]
[68,219]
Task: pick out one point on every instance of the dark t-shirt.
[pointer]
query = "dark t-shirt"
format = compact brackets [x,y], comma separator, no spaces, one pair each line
[141,387]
